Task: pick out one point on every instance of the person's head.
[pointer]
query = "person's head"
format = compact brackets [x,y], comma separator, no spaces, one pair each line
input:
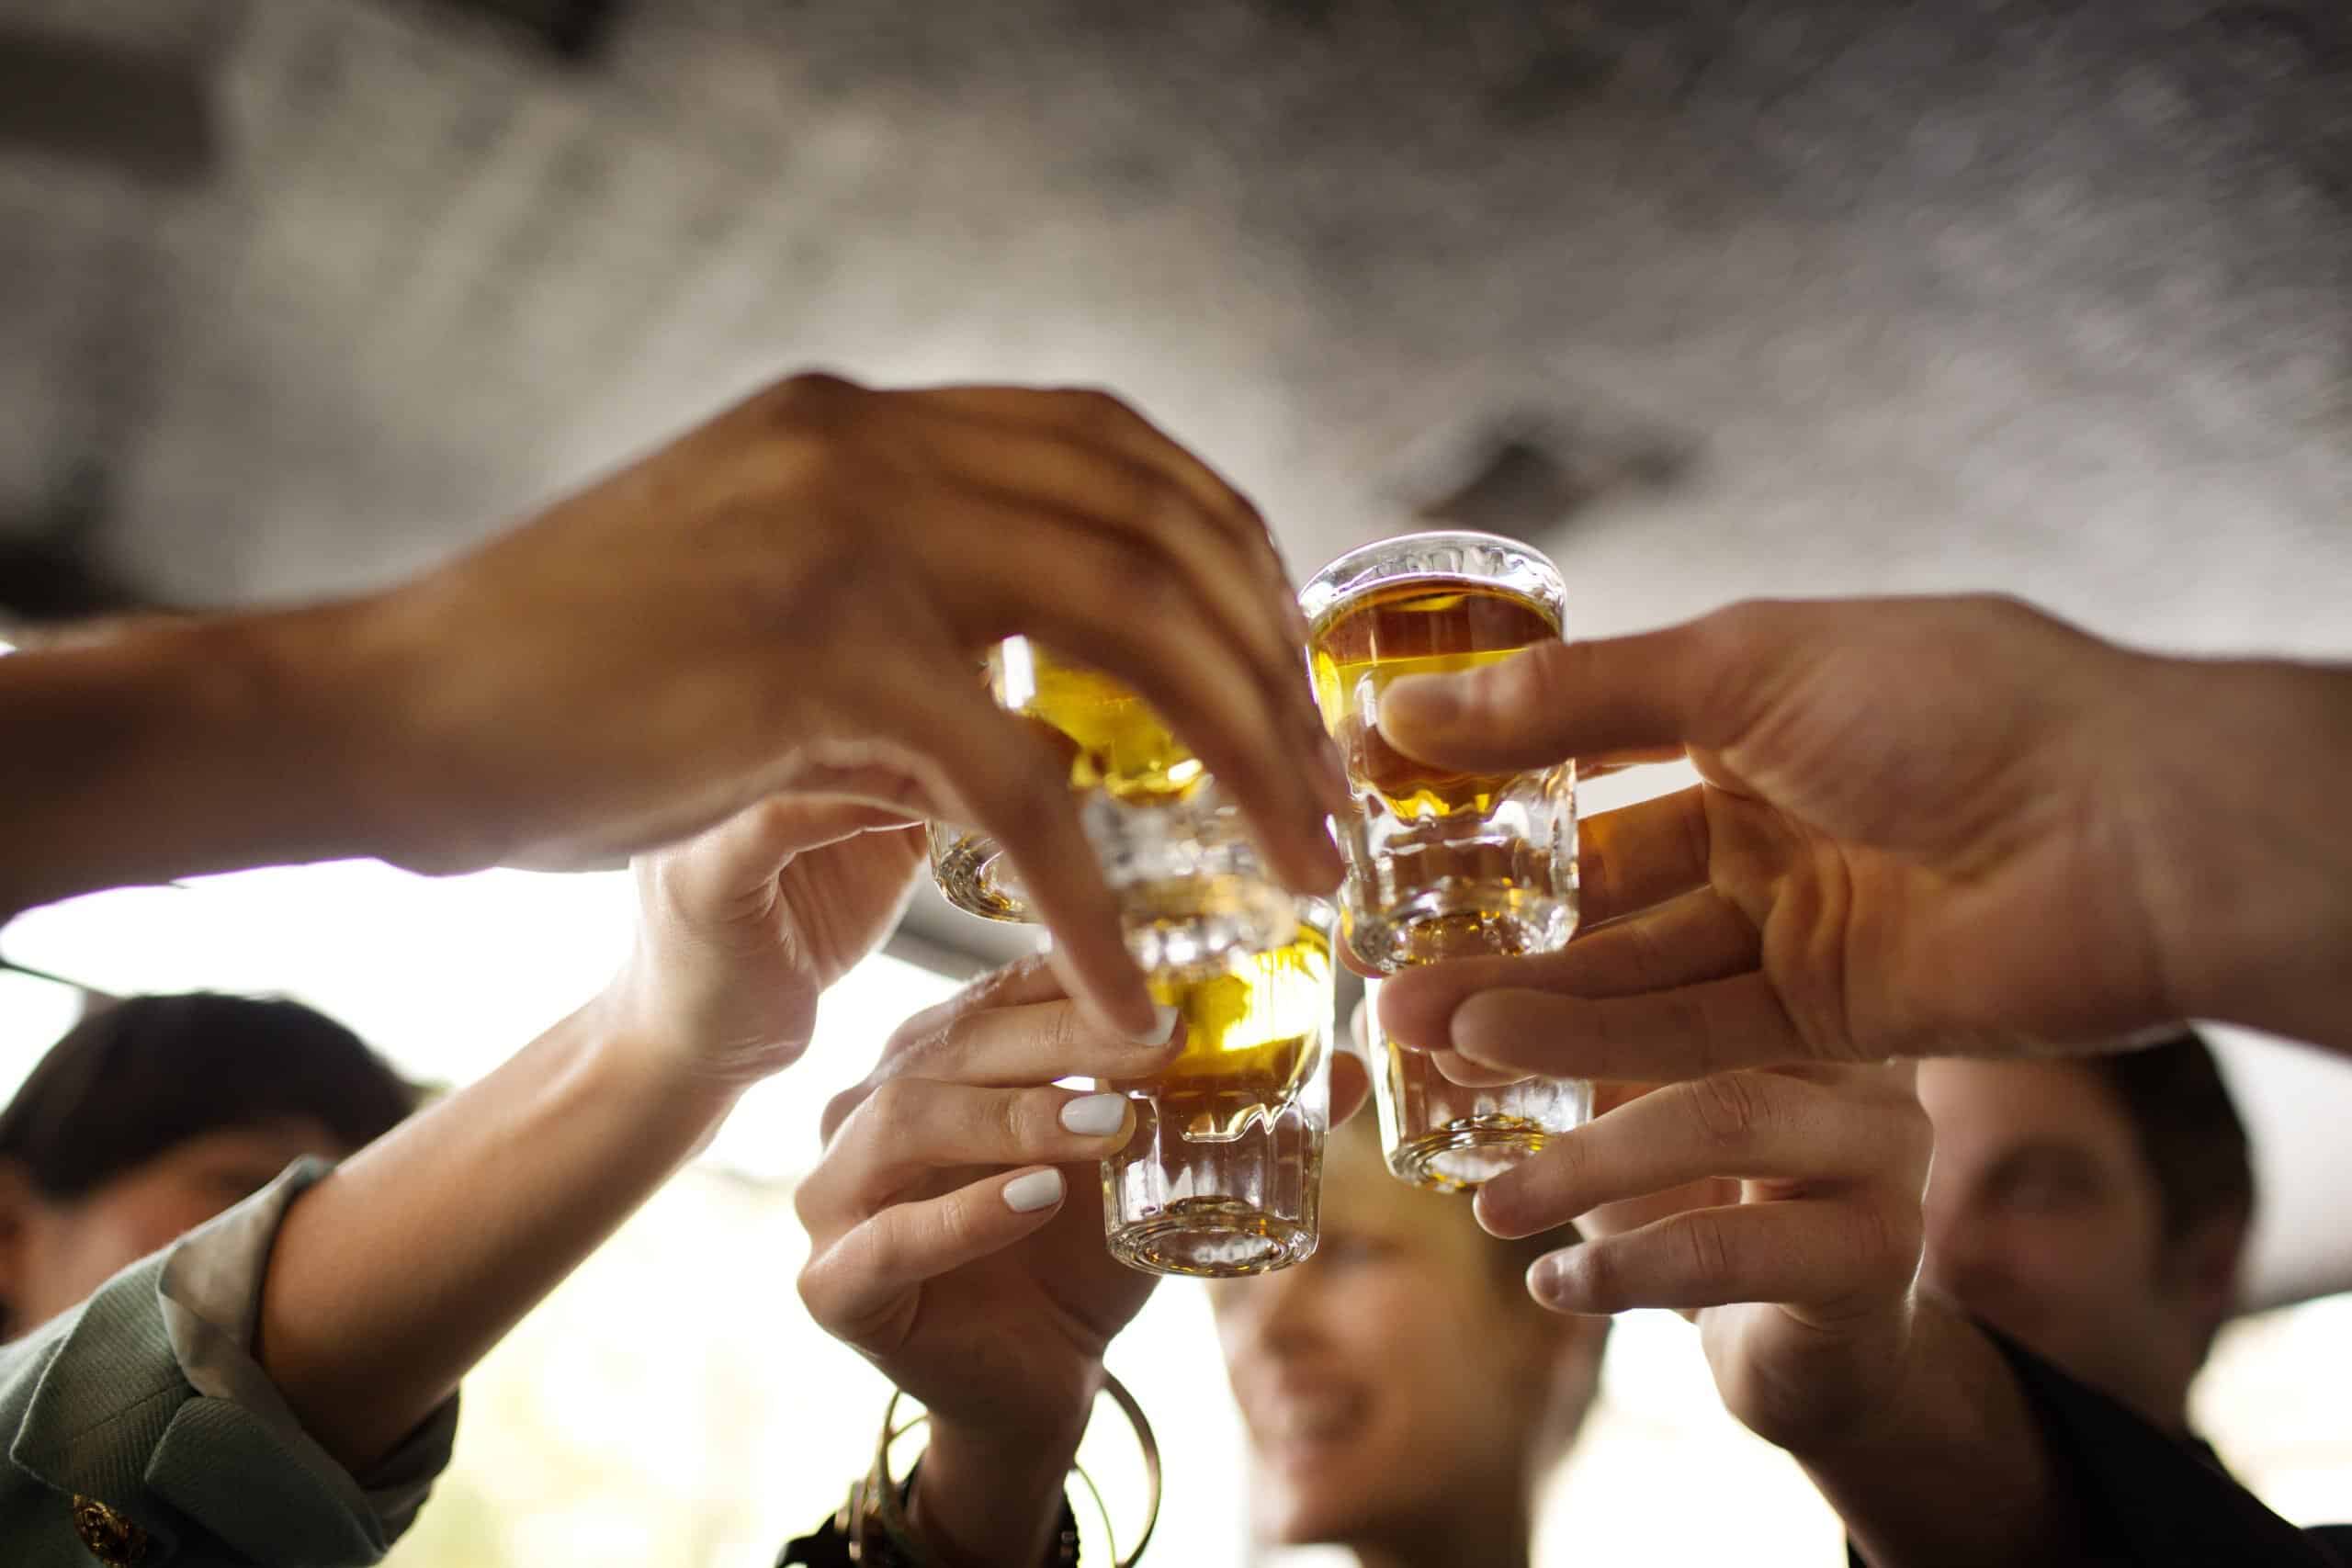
[2096,1210]
[1401,1378]
[156,1114]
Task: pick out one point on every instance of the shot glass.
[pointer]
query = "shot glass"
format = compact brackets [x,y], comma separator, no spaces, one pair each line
[1450,1137]
[974,874]
[1443,864]
[1192,888]
[1223,1174]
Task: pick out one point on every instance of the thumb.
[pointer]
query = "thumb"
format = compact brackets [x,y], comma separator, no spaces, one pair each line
[738,861]
[1696,684]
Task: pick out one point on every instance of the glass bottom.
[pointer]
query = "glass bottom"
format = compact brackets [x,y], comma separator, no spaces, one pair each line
[1214,1238]
[975,874]
[1453,1137]
[1462,1155]
[1460,922]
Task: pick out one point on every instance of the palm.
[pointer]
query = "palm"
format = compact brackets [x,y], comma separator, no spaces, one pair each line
[1958,905]
[1013,1341]
[745,928]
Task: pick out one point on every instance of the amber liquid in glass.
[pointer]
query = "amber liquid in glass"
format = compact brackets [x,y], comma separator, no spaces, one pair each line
[1421,627]
[1112,737]
[1251,1033]
[1483,887]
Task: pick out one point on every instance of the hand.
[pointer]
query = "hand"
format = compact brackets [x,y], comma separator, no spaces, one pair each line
[792,598]
[741,930]
[956,1240]
[1778,1210]
[1926,826]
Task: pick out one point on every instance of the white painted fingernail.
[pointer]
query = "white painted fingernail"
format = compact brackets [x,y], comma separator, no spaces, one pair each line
[1095,1115]
[1038,1190]
[1164,1019]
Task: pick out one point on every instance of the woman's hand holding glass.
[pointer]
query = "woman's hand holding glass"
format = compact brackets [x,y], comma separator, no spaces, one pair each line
[956,1240]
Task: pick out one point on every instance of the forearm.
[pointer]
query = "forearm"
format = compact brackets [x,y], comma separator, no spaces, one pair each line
[2246,845]
[1956,1472]
[179,747]
[984,1499]
[391,1277]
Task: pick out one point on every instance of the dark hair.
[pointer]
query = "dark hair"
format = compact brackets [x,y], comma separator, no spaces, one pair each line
[151,1072]
[2188,1129]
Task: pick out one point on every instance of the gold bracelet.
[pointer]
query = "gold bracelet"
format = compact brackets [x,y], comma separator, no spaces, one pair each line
[875,1502]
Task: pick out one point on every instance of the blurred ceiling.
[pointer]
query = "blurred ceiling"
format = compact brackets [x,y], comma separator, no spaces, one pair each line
[1711,300]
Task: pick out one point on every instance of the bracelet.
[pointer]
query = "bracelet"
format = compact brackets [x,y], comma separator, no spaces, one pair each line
[871,1526]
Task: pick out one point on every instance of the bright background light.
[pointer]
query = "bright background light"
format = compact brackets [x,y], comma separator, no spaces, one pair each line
[673,1407]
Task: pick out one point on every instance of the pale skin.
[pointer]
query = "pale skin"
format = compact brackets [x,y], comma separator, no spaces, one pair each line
[993,1304]
[1926,827]
[788,598]
[1932,826]
[390,1278]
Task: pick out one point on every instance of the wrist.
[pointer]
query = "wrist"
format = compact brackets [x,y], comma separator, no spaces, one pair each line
[173,747]
[2239,844]
[627,1059]
[991,1497]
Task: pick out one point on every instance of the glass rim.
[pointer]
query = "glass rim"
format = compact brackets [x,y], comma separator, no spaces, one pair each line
[1350,576]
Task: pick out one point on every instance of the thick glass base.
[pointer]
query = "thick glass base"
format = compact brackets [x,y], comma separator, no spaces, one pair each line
[1462,1156]
[975,874]
[1214,1238]
[1451,1137]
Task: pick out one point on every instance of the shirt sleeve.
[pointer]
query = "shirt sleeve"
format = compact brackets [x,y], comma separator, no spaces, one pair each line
[148,1399]
[2150,1499]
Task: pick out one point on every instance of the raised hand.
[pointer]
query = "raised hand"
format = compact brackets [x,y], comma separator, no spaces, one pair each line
[955,1233]
[1926,827]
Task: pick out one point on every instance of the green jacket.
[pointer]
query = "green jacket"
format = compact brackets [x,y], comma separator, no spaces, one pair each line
[145,1399]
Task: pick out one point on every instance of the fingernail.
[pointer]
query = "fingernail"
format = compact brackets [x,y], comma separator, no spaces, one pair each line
[1164,1020]
[1038,1190]
[1548,1280]
[1095,1115]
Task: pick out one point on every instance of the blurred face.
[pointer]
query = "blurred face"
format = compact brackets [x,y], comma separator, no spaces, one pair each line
[54,1254]
[1399,1382]
[2043,1220]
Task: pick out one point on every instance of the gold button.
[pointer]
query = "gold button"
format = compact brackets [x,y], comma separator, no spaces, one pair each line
[112,1539]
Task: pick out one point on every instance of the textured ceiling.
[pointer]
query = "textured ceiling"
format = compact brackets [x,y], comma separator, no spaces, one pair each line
[1712,300]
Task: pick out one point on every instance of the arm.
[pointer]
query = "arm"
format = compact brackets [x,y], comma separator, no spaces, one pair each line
[788,598]
[179,747]
[2246,845]
[2000,1493]
[394,1276]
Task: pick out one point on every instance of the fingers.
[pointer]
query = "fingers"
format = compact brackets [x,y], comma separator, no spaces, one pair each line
[733,866]
[1007,1046]
[1169,559]
[1011,1029]
[1814,1252]
[1700,683]
[991,773]
[1657,1037]
[1695,937]
[1255,733]
[1861,1126]
[1641,854]
[1351,1086]
[1144,490]
[909,1128]
[853,1285]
